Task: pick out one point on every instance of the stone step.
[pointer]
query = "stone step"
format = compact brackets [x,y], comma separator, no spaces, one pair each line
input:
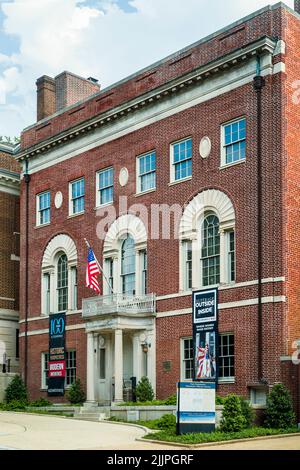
[91,416]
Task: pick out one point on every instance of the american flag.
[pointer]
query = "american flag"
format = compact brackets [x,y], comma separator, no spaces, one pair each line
[92,270]
[203,362]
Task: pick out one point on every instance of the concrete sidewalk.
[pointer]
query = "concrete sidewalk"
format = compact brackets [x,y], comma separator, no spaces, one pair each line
[28,432]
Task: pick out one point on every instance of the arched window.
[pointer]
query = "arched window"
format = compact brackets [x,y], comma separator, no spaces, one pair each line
[207,241]
[210,251]
[59,275]
[128,266]
[62,282]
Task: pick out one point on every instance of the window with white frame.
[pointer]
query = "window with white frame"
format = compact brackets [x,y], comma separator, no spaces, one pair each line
[226,356]
[77,192]
[210,250]
[146,167]
[181,159]
[46,296]
[188,265]
[105,186]
[187,359]
[43,208]
[59,276]
[128,266]
[234,141]
[70,368]
[144,271]
[74,284]
[231,255]
[62,283]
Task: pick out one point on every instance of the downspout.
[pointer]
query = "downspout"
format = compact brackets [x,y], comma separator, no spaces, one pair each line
[258,84]
[27,181]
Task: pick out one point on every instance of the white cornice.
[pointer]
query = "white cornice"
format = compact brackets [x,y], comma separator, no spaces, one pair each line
[9,182]
[149,103]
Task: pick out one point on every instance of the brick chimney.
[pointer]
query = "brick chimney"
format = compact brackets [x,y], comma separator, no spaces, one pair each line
[55,94]
[297,6]
[45,97]
[71,88]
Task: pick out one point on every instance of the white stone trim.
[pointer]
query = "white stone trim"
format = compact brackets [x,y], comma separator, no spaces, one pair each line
[189,97]
[225,306]
[63,243]
[8,299]
[45,317]
[46,331]
[279,67]
[224,287]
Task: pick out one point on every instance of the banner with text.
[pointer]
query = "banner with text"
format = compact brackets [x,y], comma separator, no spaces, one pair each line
[205,334]
[57,360]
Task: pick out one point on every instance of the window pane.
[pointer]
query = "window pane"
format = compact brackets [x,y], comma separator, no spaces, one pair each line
[210,251]
[235,141]
[128,266]
[62,282]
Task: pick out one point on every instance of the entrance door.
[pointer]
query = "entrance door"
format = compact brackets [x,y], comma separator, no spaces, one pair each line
[104,374]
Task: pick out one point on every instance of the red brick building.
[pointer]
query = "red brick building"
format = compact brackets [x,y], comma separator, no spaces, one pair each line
[211,132]
[9,261]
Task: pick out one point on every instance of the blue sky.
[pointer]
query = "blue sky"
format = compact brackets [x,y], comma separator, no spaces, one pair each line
[106,39]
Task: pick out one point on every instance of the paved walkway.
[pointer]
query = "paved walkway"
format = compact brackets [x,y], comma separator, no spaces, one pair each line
[28,432]
[32,432]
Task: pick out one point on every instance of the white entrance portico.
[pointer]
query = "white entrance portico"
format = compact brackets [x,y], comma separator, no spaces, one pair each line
[120,325]
[120,345]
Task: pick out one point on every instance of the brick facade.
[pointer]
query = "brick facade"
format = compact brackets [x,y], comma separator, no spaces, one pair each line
[9,253]
[280,197]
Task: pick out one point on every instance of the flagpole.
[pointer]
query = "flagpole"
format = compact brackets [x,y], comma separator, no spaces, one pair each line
[99,266]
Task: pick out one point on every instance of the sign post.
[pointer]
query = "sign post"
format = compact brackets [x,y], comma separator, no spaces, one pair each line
[57,359]
[196,408]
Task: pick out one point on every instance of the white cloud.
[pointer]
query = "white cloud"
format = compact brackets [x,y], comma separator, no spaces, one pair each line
[107,43]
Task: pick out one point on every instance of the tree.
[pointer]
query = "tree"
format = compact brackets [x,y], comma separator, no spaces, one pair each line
[233,419]
[279,412]
[144,390]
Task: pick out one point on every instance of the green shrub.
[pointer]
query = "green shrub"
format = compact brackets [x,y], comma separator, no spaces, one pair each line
[15,405]
[144,391]
[76,394]
[167,423]
[219,400]
[247,412]
[232,419]
[40,403]
[171,401]
[279,412]
[16,390]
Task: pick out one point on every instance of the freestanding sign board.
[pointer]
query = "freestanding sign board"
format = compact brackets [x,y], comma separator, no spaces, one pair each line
[196,409]
[205,334]
[57,362]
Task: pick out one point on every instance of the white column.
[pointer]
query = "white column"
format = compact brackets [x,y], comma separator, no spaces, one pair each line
[138,282]
[70,288]
[90,368]
[151,360]
[223,258]
[137,356]
[118,365]
[196,264]
[96,365]
[53,292]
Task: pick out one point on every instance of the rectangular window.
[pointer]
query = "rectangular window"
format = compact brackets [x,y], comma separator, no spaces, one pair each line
[102,369]
[77,192]
[74,287]
[43,208]
[182,153]
[187,359]
[46,293]
[234,142]
[70,368]
[231,256]
[226,356]
[146,172]
[188,254]
[144,272]
[105,187]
